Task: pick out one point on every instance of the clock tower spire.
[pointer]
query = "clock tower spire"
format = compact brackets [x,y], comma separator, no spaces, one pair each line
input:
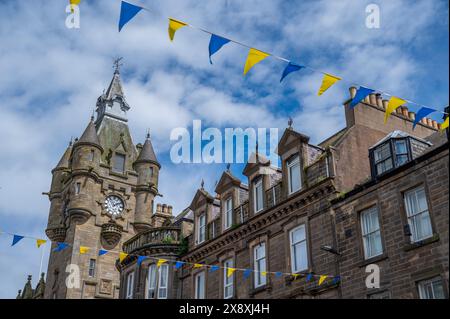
[97,200]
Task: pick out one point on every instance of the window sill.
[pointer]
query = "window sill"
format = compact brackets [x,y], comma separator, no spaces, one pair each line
[418,244]
[372,260]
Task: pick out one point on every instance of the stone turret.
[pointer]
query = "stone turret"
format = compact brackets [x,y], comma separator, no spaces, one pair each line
[55,227]
[86,156]
[147,168]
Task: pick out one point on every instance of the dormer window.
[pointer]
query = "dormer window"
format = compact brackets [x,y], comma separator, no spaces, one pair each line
[119,163]
[293,172]
[258,195]
[395,150]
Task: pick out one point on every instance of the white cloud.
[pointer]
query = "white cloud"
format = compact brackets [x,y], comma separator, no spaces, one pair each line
[51,77]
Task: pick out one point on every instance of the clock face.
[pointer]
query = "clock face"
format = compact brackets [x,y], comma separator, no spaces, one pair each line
[114,205]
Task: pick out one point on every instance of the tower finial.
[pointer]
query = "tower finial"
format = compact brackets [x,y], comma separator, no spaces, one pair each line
[148,133]
[228,166]
[202,184]
[290,122]
[117,64]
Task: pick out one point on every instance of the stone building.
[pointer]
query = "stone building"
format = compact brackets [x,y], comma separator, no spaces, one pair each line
[101,195]
[369,194]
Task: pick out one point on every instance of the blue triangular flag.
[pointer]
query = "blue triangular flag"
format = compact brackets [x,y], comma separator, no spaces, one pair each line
[336,279]
[61,246]
[16,239]
[101,252]
[309,277]
[360,95]
[247,273]
[215,44]
[179,264]
[424,111]
[141,259]
[127,12]
[213,268]
[278,274]
[291,67]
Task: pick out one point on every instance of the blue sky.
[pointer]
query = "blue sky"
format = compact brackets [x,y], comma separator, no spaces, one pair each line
[51,77]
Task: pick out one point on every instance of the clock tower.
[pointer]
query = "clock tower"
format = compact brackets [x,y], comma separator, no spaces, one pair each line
[102,194]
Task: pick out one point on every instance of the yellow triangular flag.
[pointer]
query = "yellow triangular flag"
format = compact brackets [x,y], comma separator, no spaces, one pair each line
[198,265]
[322,279]
[445,124]
[40,242]
[394,103]
[253,58]
[160,262]
[327,82]
[264,273]
[83,249]
[174,25]
[74,3]
[122,256]
[230,271]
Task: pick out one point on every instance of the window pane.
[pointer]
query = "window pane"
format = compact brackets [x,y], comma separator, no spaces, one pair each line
[298,234]
[294,175]
[401,159]
[119,163]
[400,147]
[371,233]
[418,215]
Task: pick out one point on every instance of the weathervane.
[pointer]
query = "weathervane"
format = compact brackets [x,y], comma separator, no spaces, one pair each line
[117,64]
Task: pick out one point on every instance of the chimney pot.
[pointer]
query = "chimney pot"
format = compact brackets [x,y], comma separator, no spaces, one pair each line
[379,100]
[373,99]
[429,122]
[398,110]
[435,125]
[412,116]
[352,92]
[423,121]
[367,100]
[405,111]
[385,104]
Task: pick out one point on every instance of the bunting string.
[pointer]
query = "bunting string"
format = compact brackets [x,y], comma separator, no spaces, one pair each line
[178,264]
[255,56]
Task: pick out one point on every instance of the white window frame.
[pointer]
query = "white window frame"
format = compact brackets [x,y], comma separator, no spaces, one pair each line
[258,261]
[201,233]
[200,291]
[151,281]
[228,282]
[258,185]
[228,213]
[291,164]
[411,216]
[130,285]
[421,287]
[292,245]
[163,271]
[367,237]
